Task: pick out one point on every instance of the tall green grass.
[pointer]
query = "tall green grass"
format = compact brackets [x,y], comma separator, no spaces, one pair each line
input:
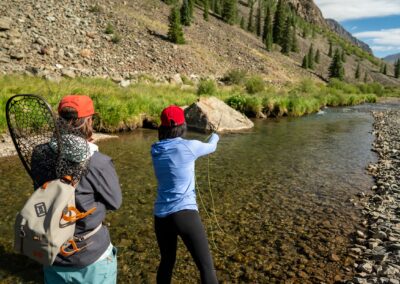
[118,108]
[125,108]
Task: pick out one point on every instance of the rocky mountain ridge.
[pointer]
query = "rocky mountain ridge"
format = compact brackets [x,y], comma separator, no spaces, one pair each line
[341,31]
[309,11]
[391,58]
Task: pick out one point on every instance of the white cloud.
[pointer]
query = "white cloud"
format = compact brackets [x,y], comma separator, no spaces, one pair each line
[382,48]
[382,37]
[382,40]
[341,10]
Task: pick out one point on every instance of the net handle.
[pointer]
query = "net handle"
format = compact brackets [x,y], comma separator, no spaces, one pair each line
[9,104]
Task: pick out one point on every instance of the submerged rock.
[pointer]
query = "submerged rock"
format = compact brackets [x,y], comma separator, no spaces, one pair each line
[210,113]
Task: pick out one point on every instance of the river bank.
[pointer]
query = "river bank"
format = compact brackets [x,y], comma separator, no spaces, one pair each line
[377,246]
[140,104]
[7,148]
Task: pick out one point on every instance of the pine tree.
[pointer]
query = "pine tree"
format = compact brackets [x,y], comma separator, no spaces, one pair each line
[330,52]
[258,19]
[314,34]
[397,69]
[229,11]
[185,13]
[250,25]
[191,8]
[268,32]
[358,72]
[311,57]
[305,62]
[286,40]
[175,32]
[206,7]
[305,32]
[336,68]
[279,23]
[242,23]
[366,77]
[317,57]
[217,7]
[295,44]
[384,70]
[343,55]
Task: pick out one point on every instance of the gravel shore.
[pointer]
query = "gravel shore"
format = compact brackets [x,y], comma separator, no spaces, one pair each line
[7,147]
[377,246]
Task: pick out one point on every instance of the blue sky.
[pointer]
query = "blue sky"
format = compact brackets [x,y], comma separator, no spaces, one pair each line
[376,22]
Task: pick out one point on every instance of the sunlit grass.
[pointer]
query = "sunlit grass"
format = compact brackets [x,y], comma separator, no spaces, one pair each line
[125,108]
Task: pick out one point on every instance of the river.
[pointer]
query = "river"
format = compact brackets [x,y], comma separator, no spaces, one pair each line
[284,201]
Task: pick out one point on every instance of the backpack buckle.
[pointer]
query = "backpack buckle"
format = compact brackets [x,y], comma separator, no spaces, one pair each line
[69,248]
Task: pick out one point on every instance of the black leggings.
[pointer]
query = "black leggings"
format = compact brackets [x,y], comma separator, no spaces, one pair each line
[188,226]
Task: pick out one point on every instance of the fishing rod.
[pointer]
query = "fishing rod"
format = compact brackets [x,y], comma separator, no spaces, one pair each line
[213,217]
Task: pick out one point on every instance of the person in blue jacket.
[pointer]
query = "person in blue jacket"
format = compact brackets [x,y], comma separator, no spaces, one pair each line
[175,209]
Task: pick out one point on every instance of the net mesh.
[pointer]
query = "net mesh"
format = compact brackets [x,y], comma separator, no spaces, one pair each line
[49,147]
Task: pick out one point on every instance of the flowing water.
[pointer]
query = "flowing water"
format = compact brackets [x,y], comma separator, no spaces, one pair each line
[283,201]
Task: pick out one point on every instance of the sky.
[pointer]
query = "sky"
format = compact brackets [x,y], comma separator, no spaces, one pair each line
[376,22]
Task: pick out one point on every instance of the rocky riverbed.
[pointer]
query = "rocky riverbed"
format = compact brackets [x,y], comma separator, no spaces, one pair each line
[377,246]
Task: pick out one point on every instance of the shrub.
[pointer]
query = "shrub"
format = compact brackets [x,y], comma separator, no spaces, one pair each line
[345,87]
[96,9]
[235,77]
[187,80]
[109,29]
[237,102]
[255,85]
[116,38]
[207,87]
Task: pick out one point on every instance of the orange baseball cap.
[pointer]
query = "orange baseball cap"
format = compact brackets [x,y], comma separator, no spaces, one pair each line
[82,104]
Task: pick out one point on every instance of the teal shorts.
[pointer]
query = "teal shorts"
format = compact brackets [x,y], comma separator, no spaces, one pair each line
[103,271]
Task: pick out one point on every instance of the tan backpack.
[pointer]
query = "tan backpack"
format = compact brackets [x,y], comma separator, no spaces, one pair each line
[46,224]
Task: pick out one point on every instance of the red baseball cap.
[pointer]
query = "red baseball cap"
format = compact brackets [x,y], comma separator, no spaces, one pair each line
[82,104]
[172,116]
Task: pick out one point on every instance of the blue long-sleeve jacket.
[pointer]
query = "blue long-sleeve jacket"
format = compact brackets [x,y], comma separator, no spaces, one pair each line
[173,161]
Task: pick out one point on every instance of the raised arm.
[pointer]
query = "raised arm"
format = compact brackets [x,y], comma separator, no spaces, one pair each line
[200,148]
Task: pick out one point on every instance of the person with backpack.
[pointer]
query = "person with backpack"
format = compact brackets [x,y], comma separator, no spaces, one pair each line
[175,209]
[92,258]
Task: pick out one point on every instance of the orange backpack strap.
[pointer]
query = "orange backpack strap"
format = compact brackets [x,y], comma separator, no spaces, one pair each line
[71,247]
[72,214]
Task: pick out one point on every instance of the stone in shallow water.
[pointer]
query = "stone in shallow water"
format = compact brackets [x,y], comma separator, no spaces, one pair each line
[210,114]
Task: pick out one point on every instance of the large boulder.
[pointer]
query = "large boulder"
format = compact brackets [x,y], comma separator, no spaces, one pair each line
[210,113]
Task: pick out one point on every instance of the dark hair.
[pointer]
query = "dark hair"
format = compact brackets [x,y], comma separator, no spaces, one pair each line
[84,125]
[165,132]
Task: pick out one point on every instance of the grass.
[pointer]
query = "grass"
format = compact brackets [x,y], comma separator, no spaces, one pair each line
[118,108]
[125,108]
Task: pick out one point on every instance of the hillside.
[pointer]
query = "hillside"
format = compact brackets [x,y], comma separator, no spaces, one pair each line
[338,28]
[391,58]
[48,39]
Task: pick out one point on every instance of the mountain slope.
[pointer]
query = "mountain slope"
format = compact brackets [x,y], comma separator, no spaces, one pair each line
[338,28]
[392,58]
[48,39]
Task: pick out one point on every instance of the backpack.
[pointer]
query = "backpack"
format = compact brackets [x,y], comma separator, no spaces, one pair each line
[46,224]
